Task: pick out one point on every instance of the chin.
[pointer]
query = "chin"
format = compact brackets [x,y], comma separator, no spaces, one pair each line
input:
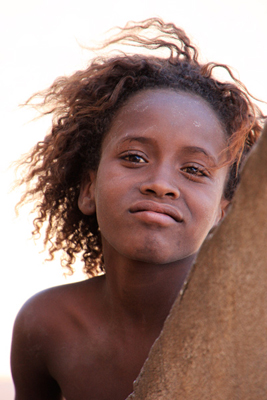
[153,255]
[160,254]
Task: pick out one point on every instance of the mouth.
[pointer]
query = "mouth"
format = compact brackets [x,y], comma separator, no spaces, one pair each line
[157,208]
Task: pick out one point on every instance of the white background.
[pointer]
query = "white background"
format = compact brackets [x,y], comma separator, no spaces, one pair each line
[39,42]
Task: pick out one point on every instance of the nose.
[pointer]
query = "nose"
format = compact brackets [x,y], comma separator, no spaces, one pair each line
[160,185]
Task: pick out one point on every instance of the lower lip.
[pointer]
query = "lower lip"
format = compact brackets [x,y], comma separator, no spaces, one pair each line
[152,217]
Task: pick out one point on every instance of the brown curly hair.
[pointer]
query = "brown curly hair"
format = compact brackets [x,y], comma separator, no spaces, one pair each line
[83,107]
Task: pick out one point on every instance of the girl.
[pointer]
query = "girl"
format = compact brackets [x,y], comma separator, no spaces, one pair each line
[141,163]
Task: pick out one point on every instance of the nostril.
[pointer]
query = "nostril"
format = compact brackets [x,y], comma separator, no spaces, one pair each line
[150,191]
[160,193]
[170,194]
[159,189]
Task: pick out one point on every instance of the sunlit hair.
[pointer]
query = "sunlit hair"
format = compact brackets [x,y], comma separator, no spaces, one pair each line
[83,107]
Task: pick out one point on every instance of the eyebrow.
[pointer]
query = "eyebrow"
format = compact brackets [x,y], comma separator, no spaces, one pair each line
[196,150]
[141,139]
[187,149]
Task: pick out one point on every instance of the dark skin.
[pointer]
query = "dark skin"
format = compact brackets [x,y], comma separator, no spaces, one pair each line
[158,184]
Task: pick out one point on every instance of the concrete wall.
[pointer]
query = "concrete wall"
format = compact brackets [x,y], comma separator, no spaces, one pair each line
[214,342]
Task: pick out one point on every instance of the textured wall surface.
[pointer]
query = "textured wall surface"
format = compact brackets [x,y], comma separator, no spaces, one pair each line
[214,343]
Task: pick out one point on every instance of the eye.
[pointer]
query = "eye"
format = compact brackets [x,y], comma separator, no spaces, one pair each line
[195,171]
[134,158]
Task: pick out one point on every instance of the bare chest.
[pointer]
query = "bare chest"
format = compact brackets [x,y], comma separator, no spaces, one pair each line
[96,366]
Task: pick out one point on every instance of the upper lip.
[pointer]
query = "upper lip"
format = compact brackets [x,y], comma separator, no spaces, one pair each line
[147,205]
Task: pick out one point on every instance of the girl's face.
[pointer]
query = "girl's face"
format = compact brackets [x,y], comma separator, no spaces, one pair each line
[157,192]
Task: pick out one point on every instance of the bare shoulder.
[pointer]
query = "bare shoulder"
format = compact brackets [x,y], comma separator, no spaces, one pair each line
[44,328]
[52,306]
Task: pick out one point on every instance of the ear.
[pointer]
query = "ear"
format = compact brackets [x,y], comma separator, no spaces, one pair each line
[86,200]
[224,205]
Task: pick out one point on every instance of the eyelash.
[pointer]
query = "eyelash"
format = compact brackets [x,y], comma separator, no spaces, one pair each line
[198,171]
[191,171]
[131,158]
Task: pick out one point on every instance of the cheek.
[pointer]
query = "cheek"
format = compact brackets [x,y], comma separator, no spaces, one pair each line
[206,209]
[107,198]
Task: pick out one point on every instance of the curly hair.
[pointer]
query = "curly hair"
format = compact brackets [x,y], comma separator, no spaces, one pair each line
[83,107]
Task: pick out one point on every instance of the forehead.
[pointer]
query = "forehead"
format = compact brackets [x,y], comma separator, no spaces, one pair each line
[174,114]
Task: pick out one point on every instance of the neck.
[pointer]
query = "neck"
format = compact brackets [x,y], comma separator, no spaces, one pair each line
[141,292]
